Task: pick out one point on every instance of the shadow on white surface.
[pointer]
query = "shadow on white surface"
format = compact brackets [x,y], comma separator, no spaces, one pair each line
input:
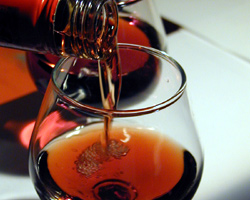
[13,158]
[14,116]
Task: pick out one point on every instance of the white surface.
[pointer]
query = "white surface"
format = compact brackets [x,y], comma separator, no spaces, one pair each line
[219,92]
[16,188]
[224,22]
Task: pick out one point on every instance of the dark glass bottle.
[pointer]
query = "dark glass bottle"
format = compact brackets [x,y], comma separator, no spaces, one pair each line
[79,28]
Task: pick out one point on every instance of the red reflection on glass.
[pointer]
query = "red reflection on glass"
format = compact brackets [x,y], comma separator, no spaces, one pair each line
[20,131]
[51,127]
[131,23]
[25,134]
[54,125]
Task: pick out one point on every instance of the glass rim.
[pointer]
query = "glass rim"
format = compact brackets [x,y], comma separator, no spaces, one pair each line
[130,112]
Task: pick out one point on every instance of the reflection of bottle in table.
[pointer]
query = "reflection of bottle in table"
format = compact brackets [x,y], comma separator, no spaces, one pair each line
[138,71]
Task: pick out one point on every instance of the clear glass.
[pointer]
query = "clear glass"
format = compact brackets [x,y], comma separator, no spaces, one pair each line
[153,150]
[139,23]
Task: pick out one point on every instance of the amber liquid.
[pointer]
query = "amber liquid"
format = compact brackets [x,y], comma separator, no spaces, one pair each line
[140,164]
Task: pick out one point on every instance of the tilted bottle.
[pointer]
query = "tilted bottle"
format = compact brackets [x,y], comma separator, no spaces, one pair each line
[82,28]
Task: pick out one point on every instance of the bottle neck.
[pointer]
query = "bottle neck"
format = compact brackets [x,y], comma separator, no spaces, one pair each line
[81,28]
[85,28]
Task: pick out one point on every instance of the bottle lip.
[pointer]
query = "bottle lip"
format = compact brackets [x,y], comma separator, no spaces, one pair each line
[124,113]
[84,28]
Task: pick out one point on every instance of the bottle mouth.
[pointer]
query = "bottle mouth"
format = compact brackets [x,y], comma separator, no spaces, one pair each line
[85,28]
[94,28]
[169,88]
